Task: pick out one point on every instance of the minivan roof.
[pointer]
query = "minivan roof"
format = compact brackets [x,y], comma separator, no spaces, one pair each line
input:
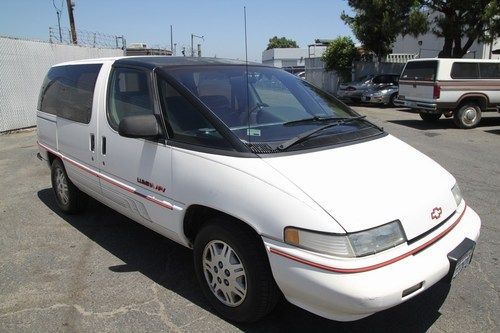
[161,61]
[455,60]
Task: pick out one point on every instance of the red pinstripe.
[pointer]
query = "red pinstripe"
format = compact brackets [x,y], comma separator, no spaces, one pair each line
[371,267]
[107,179]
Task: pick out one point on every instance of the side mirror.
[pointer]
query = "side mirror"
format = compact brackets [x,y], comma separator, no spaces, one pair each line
[146,127]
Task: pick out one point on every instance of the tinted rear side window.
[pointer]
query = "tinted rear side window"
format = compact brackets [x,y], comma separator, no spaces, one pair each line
[420,71]
[68,92]
[465,70]
[489,70]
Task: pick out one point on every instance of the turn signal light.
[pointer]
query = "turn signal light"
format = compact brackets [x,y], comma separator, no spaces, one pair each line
[292,236]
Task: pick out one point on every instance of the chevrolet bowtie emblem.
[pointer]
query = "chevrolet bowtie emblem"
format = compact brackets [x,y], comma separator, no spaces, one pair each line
[436,213]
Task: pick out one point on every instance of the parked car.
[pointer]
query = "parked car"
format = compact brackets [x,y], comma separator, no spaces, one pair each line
[353,91]
[458,88]
[302,75]
[384,95]
[263,175]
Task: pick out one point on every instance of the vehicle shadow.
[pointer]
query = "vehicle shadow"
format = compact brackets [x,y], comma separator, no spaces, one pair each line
[495,131]
[170,265]
[443,123]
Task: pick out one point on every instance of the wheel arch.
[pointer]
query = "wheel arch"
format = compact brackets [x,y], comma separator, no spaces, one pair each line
[197,215]
[51,157]
[481,99]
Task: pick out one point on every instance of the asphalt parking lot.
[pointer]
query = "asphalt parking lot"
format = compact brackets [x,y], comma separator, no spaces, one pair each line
[103,272]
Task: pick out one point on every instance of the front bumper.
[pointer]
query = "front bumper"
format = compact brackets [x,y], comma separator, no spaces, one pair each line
[307,280]
[349,94]
[415,104]
[375,99]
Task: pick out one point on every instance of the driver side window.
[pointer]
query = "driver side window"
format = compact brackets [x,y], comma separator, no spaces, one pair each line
[130,95]
[185,123]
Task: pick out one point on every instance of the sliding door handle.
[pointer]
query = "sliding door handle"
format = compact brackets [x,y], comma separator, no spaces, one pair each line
[92,142]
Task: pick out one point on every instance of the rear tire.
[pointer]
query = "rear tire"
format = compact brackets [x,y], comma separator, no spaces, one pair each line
[233,270]
[68,197]
[467,116]
[430,117]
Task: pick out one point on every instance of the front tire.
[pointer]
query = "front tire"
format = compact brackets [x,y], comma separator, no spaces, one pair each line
[430,117]
[391,100]
[467,116]
[233,270]
[68,197]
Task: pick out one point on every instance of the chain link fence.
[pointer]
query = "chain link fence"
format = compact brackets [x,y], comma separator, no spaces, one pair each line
[87,38]
[23,65]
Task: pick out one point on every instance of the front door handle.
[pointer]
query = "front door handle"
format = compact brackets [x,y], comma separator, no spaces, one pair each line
[92,142]
[103,147]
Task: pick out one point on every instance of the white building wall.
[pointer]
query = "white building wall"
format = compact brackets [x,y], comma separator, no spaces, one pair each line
[284,57]
[432,45]
[23,66]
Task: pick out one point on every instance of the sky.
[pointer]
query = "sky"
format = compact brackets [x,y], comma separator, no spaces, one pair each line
[219,21]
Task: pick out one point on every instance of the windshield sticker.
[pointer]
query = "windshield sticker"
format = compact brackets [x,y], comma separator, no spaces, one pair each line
[253,132]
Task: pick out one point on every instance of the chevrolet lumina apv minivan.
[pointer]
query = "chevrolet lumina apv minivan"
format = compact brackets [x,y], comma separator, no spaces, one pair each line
[279,188]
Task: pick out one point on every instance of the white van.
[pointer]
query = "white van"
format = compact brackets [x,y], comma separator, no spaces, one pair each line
[277,187]
[458,88]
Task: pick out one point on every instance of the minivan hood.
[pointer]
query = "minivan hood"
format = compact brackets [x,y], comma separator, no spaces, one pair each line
[368,184]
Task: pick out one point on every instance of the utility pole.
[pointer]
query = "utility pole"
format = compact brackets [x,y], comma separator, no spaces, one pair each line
[192,44]
[71,5]
[171,40]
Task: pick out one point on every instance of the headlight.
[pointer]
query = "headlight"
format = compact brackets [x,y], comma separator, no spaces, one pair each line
[382,92]
[457,194]
[377,239]
[357,244]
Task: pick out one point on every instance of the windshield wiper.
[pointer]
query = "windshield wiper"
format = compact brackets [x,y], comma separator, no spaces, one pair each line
[304,136]
[310,120]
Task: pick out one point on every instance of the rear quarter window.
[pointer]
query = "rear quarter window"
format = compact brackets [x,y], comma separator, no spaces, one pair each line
[465,70]
[68,91]
[420,71]
[489,70]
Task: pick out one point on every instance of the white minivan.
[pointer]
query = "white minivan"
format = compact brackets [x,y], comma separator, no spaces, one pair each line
[279,188]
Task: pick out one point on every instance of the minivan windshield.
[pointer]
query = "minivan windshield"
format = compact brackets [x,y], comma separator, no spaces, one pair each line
[263,105]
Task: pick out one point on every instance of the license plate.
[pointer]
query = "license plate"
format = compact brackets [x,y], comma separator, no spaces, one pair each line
[460,258]
[410,104]
[462,263]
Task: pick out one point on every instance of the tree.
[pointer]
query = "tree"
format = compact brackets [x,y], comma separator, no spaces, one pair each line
[339,54]
[377,23]
[458,20]
[276,43]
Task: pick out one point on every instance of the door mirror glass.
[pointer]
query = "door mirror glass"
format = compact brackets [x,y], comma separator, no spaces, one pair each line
[146,127]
